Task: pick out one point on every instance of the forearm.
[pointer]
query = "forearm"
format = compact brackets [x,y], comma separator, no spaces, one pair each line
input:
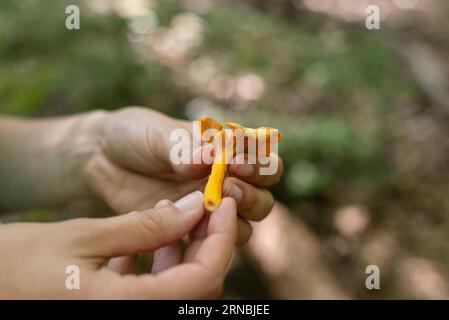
[41,160]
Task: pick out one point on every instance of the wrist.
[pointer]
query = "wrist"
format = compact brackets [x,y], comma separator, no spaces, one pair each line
[80,139]
[42,159]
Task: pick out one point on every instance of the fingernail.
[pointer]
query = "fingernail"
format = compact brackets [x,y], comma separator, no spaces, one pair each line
[191,202]
[243,170]
[236,193]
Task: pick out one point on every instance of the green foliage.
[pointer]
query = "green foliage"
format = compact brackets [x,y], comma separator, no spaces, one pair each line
[47,70]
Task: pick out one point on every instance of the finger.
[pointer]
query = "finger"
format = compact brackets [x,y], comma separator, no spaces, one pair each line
[123,265]
[262,175]
[209,264]
[252,203]
[202,277]
[200,230]
[244,231]
[143,231]
[125,191]
[196,237]
[167,257]
[140,139]
[127,264]
[222,225]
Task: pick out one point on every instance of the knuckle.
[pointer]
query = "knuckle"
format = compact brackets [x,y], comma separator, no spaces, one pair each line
[268,181]
[227,185]
[270,201]
[250,197]
[153,221]
[249,201]
[83,226]
[277,177]
[244,233]
[265,208]
[242,239]
[278,174]
[274,179]
[78,233]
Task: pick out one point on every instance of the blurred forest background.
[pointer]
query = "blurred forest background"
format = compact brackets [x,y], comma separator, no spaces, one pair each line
[365,115]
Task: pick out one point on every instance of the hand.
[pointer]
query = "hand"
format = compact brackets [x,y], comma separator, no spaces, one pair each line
[128,166]
[34,257]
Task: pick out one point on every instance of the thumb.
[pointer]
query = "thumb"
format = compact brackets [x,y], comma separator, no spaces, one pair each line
[146,230]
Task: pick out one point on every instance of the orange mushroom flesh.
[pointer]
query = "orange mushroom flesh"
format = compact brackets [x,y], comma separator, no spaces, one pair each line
[212,192]
[209,123]
[213,189]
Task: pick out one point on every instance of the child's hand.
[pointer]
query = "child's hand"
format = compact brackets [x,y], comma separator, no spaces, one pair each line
[129,166]
[34,257]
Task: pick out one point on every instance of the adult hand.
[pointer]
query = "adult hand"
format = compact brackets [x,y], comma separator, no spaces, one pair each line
[130,168]
[121,158]
[34,257]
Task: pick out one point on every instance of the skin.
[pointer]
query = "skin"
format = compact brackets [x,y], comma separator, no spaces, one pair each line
[120,158]
[35,256]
